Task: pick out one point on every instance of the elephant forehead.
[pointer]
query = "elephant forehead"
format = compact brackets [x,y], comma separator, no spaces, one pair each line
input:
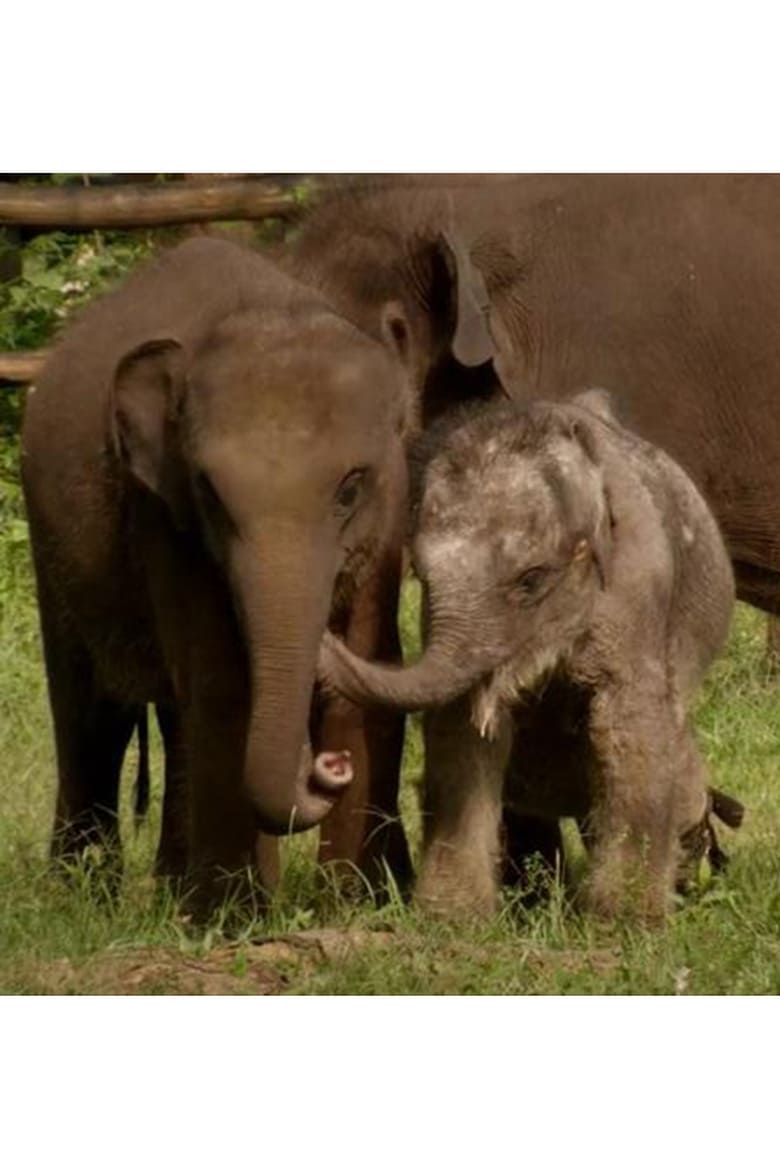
[489,545]
[453,555]
[492,494]
[317,377]
[301,350]
[294,400]
[282,458]
[492,517]
[278,417]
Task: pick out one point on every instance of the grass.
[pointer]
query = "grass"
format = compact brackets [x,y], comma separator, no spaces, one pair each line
[57,937]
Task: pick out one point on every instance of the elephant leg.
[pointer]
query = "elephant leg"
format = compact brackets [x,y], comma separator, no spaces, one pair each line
[464,776]
[171,859]
[209,830]
[209,835]
[209,845]
[221,827]
[634,822]
[364,830]
[530,841]
[91,732]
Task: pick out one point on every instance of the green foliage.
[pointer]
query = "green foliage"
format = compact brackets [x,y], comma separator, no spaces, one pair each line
[305,192]
[60,273]
[10,495]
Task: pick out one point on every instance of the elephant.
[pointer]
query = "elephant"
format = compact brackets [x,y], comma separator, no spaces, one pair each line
[213,463]
[662,287]
[576,589]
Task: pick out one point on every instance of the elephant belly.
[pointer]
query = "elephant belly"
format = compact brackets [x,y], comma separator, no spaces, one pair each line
[549,773]
[108,616]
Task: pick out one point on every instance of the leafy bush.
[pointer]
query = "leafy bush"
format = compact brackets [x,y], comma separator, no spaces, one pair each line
[61,272]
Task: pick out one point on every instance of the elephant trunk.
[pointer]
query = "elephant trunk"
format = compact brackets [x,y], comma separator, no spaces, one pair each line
[449,666]
[284,602]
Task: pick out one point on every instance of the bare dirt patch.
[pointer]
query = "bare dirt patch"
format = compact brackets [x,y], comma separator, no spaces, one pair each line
[329,960]
[265,967]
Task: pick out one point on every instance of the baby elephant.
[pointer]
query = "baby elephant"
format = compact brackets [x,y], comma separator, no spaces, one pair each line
[576,591]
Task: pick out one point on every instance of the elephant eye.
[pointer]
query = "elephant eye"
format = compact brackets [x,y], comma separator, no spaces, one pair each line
[531,581]
[349,491]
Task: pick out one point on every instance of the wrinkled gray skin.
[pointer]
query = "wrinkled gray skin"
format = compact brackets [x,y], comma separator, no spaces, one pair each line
[577,589]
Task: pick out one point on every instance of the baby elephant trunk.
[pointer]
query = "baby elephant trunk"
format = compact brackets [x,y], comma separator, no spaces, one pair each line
[449,667]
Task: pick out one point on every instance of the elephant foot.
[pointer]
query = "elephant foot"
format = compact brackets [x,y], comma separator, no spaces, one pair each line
[232,899]
[630,892]
[456,883]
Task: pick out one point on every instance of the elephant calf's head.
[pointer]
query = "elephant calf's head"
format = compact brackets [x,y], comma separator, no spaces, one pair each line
[512,542]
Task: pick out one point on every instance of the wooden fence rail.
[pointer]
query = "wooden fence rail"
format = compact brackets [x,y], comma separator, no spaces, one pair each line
[147,205]
[23,366]
[136,205]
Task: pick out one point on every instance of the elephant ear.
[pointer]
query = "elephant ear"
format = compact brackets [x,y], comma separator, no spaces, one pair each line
[602,543]
[397,337]
[472,341]
[396,332]
[146,398]
[582,431]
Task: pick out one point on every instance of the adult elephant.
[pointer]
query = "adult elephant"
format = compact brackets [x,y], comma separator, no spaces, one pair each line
[662,288]
[213,465]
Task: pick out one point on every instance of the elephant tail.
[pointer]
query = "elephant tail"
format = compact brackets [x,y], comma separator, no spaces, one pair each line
[730,812]
[727,809]
[141,789]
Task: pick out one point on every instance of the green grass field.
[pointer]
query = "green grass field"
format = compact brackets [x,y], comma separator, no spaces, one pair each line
[56,937]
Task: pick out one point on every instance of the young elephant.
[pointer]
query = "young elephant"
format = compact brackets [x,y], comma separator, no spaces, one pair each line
[577,589]
[214,468]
